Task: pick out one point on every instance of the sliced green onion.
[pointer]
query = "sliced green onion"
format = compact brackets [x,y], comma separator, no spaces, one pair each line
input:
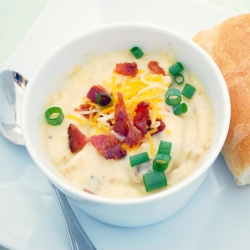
[137,52]
[154,180]
[180,109]
[138,159]
[179,79]
[176,69]
[54,116]
[173,97]
[188,90]
[104,100]
[161,162]
[164,147]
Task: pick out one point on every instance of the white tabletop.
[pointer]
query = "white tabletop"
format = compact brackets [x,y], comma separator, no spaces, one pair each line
[16,18]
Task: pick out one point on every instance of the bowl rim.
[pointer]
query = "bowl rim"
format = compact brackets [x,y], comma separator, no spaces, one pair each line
[203,168]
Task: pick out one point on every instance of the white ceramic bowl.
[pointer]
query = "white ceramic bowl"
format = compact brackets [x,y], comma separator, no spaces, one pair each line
[114,37]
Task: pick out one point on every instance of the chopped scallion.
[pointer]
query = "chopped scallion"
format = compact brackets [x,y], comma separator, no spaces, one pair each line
[176,69]
[179,79]
[188,90]
[161,162]
[164,147]
[173,97]
[104,100]
[137,52]
[154,180]
[138,159]
[54,116]
[180,109]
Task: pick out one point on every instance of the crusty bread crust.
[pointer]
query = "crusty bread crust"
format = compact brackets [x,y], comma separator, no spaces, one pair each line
[229,45]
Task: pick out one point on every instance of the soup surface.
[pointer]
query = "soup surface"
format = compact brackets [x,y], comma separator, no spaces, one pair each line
[107,171]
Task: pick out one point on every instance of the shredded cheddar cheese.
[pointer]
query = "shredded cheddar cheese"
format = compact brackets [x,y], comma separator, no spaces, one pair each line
[127,148]
[152,131]
[103,126]
[168,131]
[152,146]
[95,117]
[144,87]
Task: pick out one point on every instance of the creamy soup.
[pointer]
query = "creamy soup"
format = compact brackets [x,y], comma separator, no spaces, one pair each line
[190,133]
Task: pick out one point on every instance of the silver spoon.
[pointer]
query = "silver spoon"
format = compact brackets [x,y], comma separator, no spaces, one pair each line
[12,86]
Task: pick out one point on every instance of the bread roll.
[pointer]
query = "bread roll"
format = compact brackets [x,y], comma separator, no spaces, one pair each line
[229,45]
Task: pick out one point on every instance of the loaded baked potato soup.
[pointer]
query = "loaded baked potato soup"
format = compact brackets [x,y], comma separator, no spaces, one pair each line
[128,124]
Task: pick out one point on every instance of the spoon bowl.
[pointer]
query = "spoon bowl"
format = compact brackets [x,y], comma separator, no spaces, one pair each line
[12,86]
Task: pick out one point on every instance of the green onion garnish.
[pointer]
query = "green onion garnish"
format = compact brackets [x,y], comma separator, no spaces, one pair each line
[164,147]
[104,100]
[188,90]
[176,69]
[180,109]
[154,180]
[137,52]
[173,97]
[179,79]
[138,159]
[161,162]
[54,116]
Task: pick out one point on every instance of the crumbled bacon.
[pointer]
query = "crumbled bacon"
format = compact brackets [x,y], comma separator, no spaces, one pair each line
[77,139]
[127,69]
[161,127]
[108,146]
[83,107]
[142,119]
[94,90]
[124,125]
[86,190]
[154,66]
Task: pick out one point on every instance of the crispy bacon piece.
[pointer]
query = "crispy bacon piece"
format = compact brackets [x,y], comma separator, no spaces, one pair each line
[127,69]
[94,90]
[108,146]
[161,127]
[77,139]
[86,190]
[154,66]
[142,119]
[124,125]
[83,107]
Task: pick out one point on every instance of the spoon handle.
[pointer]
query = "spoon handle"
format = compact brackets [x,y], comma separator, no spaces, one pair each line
[78,238]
